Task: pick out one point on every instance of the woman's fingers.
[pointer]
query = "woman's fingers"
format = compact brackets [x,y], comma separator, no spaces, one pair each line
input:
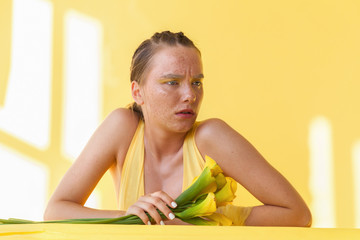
[162,205]
[134,210]
[143,206]
[150,203]
[166,198]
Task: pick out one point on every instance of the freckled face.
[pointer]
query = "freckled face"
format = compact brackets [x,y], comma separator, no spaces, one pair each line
[172,89]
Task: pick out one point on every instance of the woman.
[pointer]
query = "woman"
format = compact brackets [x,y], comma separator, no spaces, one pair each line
[155,148]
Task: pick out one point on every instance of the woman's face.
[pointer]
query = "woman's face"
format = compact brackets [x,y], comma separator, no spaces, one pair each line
[172,88]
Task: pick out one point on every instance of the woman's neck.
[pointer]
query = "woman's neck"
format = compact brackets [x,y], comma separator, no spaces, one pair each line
[161,144]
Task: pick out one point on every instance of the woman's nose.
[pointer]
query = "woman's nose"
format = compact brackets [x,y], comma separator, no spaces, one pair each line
[188,93]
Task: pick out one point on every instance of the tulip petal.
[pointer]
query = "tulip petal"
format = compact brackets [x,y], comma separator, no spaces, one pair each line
[220,181]
[203,208]
[227,193]
[203,181]
[214,167]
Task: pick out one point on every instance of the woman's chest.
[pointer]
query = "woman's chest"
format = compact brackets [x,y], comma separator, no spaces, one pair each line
[163,176]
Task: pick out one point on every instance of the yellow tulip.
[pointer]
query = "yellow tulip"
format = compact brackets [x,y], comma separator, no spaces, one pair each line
[215,168]
[216,172]
[204,208]
[209,162]
[221,219]
[219,177]
[210,188]
[202,183]
[220,181]
[227,193]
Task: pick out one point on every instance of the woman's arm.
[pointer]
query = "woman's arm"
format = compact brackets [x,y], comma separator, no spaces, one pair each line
[109,141]
[283,206]
[105,149]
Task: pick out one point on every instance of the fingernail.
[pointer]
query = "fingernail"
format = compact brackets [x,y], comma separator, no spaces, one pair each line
[149,223]
[171,216]
[173,204]
[162,223]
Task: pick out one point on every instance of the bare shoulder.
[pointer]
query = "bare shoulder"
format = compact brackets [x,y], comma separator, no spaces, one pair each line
[116,131]
[212,130]
[211,125]
[123,116]
[215,138]
[121,124]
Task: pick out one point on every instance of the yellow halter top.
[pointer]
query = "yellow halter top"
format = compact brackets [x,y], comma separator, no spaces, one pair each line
[132,176]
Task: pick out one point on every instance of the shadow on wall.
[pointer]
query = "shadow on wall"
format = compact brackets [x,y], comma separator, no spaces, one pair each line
[5,46]
[45,121]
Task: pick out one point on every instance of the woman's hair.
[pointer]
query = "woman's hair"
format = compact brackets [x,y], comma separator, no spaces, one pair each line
[147,49]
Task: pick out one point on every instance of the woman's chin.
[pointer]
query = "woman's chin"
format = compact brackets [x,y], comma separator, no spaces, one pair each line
[183,126]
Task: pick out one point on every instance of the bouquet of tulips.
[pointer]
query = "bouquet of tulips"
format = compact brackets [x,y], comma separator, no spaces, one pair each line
[196,205]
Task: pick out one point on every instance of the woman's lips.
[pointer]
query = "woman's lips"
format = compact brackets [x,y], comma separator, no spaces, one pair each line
[186,113]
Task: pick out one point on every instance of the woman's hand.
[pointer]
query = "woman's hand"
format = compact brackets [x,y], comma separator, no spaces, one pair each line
[150,203]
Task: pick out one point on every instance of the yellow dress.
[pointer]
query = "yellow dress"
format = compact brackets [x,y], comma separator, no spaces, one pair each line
[132,176]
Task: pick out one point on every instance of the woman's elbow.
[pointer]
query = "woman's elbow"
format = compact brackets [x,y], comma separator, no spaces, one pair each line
[47,213]
[307,218]
[303,218]
[50,211]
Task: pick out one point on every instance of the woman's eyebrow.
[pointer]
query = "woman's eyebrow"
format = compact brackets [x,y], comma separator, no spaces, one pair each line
[171,76]
[178,76]
[199,76]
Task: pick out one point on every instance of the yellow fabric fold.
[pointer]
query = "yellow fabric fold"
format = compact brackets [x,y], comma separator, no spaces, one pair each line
[132,175]
[193,162]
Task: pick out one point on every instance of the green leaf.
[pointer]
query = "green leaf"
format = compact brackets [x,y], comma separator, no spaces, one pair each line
[200,221]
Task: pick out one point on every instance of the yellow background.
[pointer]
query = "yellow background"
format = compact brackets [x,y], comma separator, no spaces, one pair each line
[270,68]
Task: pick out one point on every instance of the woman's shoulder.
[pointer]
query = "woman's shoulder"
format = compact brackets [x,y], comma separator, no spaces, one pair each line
[121,123]
[118,129]
[124,116]
[212,132]
[211,127]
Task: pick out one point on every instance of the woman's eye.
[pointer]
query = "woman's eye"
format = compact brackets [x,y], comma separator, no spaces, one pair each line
[172,82]
[197,83]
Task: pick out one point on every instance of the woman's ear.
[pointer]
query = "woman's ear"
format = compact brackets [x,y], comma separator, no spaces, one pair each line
[136,93]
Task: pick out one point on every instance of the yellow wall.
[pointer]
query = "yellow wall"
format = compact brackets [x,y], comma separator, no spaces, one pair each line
[271,68]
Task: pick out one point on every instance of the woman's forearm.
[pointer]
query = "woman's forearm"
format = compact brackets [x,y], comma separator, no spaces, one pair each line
[267,215]
[70,210]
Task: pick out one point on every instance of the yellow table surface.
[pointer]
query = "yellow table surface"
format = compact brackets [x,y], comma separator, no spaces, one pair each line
[82,231]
